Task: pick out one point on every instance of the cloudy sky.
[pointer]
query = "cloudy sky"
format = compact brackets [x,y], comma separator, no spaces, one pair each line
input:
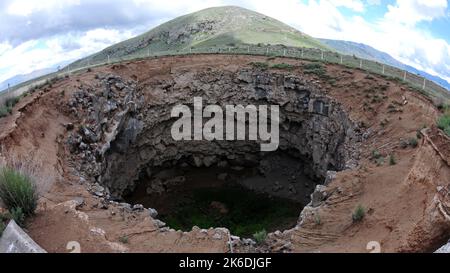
[40,34]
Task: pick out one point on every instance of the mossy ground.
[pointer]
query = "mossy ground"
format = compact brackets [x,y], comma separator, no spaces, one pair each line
[248,212]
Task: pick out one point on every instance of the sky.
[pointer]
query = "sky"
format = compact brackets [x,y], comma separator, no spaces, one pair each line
[41,34]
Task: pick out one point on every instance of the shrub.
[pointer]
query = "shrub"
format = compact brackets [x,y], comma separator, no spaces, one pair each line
[11,102]
[283,66]
[380,161]
[447,131]
[17,190]
[315,68]
[359,213]
[260,236]
[444,123]
[418,134]
[376,154]
[392,160]
[4,111]
[260,65]
[18,216]
[123,239]
[318,219]
[404,144]
[413,142]
[440,103]
[2,228]
[8,105]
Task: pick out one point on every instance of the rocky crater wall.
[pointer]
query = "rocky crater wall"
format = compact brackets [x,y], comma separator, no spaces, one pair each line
[125,126]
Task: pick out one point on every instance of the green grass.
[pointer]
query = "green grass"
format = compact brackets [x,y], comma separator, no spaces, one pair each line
[17,190]
[248,212]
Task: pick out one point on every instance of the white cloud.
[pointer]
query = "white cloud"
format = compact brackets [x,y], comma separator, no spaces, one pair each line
[374,2]
[34,55]
[411,12]
[26,7]
[355,5]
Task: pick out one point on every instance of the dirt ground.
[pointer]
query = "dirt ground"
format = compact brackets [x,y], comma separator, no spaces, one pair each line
[405,202]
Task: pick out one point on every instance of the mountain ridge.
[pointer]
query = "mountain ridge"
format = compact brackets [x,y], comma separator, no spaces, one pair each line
[365,51]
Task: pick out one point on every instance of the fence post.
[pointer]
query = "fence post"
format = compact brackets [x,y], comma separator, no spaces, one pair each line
[267,53]
[383,69]
[322,55]
[284,52]
[148,52]
[404,76]
[108,58]
[341,60]
[360,64]
[248,49]
[424,83]
[302,52]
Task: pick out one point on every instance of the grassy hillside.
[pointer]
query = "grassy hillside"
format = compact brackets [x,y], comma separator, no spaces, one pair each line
[210,27]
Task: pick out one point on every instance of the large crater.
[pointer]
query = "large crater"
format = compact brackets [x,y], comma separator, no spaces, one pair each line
[126,145]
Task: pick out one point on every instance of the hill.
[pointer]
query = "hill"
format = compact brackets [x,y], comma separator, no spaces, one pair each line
[210,27]
[18,79]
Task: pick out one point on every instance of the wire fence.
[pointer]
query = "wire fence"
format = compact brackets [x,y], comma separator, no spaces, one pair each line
[418,82]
